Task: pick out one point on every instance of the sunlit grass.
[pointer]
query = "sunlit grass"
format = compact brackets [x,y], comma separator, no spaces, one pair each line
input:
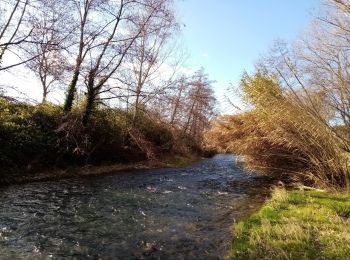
[296,225]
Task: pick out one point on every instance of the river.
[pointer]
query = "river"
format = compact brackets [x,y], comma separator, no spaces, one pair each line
[182,213]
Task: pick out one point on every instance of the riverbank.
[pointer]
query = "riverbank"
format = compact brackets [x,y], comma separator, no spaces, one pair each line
[41,142]
[296,225]
[173,161]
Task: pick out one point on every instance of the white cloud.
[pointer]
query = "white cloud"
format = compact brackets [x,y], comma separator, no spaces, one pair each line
[205,55]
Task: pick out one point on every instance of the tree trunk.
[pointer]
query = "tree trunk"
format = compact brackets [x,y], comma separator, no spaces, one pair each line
[136,108]
[90,96]
[177,103]
[90,106]
[68,104]
[43,101]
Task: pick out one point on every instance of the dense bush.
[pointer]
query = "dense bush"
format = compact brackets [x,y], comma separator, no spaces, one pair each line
[26,133]
[156,132]
[281,137]
[35,137]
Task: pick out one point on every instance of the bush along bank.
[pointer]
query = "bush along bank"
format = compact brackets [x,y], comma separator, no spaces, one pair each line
[281,137]
[298,224]
[44,138]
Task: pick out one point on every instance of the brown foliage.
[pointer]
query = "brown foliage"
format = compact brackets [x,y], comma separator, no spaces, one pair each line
[282,138]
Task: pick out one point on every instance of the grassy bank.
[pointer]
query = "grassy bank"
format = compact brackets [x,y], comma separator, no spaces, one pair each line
[296,225]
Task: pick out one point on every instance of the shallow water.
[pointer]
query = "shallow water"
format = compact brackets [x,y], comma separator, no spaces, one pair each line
[162,214]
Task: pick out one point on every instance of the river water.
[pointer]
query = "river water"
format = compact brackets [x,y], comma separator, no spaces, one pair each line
[184,213]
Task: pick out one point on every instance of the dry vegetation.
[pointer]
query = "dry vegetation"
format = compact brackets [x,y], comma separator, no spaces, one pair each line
[282,138]
[296,123]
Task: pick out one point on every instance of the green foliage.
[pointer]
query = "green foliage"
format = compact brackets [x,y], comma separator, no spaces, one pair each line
[296,225]
[43,136]
[106,135]
[156,132]
[26,132]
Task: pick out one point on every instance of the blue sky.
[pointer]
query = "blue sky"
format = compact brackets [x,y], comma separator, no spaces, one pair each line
[227,37]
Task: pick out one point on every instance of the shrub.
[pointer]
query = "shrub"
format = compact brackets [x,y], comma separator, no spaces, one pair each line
[156,132]
[24,137]
[281,137]
[43,137]
[32,137]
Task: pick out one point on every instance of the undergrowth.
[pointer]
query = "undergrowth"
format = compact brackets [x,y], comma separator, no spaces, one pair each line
[42,137]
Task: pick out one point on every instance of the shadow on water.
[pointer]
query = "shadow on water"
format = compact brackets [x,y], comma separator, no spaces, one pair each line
[162,213]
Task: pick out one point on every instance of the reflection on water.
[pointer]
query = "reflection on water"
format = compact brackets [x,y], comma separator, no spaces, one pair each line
[176,213]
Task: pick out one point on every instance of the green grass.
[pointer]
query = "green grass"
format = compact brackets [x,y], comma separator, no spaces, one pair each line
[296,225]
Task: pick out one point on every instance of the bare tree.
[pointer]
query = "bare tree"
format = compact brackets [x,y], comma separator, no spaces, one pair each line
[116,46]
[201,104]
[315,71]
[51,35]
[177,98]
[16,31]
[13,32]
[87,33]
[148,55]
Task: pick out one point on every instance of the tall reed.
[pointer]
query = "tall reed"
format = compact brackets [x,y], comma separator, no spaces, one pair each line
[281,136]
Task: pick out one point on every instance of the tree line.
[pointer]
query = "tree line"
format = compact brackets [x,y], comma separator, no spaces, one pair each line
[119,66]
[108,50]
